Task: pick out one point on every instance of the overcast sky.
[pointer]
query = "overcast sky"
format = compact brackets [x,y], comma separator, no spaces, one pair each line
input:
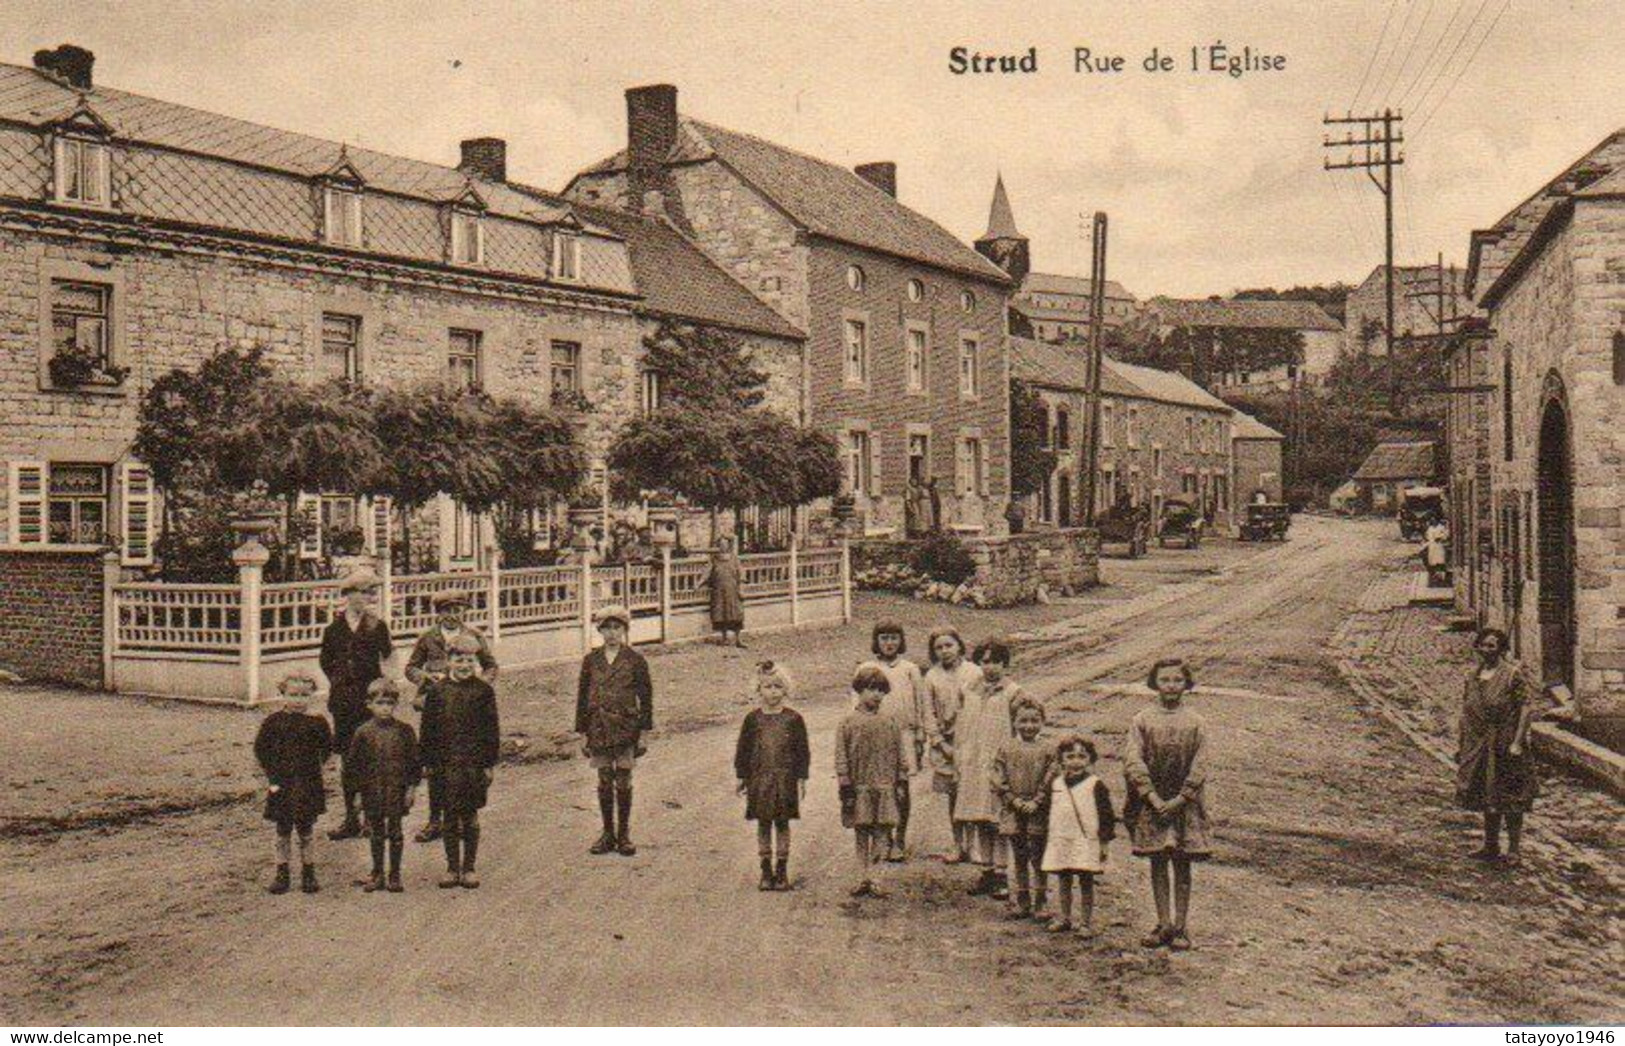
[1212,183]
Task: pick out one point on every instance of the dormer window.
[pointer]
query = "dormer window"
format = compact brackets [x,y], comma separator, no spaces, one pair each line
[467,238]
[82,171]
[566,257]
[341,223]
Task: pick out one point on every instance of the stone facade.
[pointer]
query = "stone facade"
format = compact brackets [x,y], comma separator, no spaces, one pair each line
[51,616]
[1415,305]
[1010,570]
[1154,451]
[1467,439]
[1558,424]
[1258,467]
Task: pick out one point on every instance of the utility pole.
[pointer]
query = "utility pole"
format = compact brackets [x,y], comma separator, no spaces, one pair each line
[1097,323]
[1372,151]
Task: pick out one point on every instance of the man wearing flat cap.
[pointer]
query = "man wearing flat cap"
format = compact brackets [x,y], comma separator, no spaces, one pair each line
[614,707]
[428,666]
[354,648]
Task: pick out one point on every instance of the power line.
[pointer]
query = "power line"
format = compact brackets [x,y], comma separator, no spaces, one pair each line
[1371,61]
[1393,48]
[1470,58]
[1422,70]
[1421,29]
[1440,72]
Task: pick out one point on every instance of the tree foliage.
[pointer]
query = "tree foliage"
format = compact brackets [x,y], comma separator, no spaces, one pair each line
[1032,460]
[703,368]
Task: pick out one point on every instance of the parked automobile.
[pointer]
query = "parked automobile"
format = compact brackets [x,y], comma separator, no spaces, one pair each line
[1266,521]
[1181,521]
[1127,525]
[1418,507]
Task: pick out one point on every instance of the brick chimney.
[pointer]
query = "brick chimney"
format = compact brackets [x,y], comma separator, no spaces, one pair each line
[485,158]
[651,131]
[68,63]
[882,176]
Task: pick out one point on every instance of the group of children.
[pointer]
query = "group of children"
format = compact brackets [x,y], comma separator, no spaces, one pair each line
[384,759]
[1020,807]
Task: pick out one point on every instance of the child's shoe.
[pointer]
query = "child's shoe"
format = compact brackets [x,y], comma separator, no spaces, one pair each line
[307,879]
[280,884]
[862,889]
[1177,941]
[875,890]
[393,883]
[1157,938]
[470,881]
[350,829]
[781,874]
[1058,925]
[1000,891]
[894,853]
[428,833]
[769,881]
[604,845]
[374,883]
[453,878]
[1087,932]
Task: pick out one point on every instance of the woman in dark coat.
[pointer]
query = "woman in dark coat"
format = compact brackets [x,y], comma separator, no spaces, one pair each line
[1494,772]
[727,608]
[354,649]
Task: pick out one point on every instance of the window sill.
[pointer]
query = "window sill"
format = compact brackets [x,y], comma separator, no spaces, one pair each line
[12,546]
[82,205]
[46,385]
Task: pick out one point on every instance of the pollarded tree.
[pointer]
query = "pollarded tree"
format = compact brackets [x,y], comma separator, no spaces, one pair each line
[539,459]
[1032,460]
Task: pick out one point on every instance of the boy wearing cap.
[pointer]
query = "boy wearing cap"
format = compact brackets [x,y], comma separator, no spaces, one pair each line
[462,740]
[383,758]
[354,649]
[614,706]
[428,666]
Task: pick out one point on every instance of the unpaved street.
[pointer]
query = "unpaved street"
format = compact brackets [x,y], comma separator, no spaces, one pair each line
[1338,894]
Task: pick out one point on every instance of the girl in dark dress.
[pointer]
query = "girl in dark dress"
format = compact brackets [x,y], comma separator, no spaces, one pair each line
[291,746]
[772,761]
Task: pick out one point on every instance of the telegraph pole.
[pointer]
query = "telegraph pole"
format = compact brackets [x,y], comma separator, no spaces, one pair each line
[1097,323]
[1379,135]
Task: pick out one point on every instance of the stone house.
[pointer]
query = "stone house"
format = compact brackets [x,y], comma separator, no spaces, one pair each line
[905,325]
[1046,306]
[1468,479]
[1256,450]
[1213,318]
[138,236]
[1416,305]
[1392,467]
[1550,276]
[1161,435]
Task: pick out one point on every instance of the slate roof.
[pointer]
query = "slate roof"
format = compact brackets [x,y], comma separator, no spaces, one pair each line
[1273,315]
[1044,312]
[1060,366]
[823,198]
[1391,461]
[678,279]
[1248,427]
[1053,283]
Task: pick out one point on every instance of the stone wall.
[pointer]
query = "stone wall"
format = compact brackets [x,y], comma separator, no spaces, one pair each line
[1258,467]
[1011,569]
[1467,436]
[51,615]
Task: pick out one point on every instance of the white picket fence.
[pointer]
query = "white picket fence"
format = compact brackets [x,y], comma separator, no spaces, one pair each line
[233,642]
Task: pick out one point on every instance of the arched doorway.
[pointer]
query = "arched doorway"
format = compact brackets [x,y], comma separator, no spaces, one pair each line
[1555,532]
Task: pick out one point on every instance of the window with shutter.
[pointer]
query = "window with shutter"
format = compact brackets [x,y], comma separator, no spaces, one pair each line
[378,536]
[874,466]
[137,517]
[308,508]
[27,502]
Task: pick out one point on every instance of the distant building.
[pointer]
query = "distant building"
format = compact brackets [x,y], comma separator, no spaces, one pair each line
[1257,452]
[905,324]
[1214,318]
[1161,435]
[1416,305]
[1393,467]
[1046,306]
[1550,276]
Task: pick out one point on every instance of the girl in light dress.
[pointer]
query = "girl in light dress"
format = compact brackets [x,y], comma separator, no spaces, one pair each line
[1081,823]
[906,703]
[950,678]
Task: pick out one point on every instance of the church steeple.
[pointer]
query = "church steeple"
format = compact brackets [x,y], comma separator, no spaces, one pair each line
[1002,244]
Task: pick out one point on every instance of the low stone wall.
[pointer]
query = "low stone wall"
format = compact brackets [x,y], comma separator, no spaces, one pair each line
[51,615]
[1011,569]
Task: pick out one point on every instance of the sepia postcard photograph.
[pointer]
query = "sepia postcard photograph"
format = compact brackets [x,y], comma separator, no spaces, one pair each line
[812,513]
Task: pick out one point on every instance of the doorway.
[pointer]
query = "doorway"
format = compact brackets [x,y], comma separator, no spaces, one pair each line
[1555,545]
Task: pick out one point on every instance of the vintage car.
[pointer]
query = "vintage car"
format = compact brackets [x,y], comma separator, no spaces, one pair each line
[1181,521]
[1266,521]
[1126,525]
[1418,507]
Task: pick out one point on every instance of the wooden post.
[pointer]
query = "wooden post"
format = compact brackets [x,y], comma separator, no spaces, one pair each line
[795,583]
[250,558]
[846,580]
[386,583]
[111,576]
[586,603]
[493,592]
[665,594]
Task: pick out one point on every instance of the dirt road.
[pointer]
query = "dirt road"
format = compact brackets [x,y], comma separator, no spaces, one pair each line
[1338,892]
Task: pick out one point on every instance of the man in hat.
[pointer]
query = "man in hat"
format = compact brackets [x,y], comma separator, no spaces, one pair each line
[614,707]
[428,665]
[354,648]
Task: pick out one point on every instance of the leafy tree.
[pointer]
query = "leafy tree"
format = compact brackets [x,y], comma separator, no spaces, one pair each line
[819,473]
[539,459]
[1032,460]
[1332,297]
[703,368]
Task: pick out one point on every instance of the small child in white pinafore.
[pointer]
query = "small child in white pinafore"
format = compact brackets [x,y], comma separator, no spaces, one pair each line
[1081,823]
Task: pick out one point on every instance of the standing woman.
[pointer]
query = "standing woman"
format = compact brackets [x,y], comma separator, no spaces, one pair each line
[727,608]
[1494,773]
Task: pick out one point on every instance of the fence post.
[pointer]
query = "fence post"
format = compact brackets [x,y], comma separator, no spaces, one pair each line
[493,593]
[665,594]
[795,583]
[846,581]
[111,576]
[586,603]
[386,584]
[250,558]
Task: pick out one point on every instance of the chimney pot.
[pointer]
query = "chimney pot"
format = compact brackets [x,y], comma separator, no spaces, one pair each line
[68,63]
[882,176]
[485,158]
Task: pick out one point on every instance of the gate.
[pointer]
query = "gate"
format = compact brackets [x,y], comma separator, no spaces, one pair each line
[1555,546]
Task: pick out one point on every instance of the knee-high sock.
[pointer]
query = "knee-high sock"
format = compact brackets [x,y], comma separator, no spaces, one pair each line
[623,800]
[471,840]
[307,847]
[606,803]
[284,847]
[451,836]
[377,841]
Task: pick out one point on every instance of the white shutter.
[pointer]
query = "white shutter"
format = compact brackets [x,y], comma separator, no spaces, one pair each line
[874,465]
[378,529]
[137,522]
[961,466]
[26,503]
[982,469]
[310,507]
